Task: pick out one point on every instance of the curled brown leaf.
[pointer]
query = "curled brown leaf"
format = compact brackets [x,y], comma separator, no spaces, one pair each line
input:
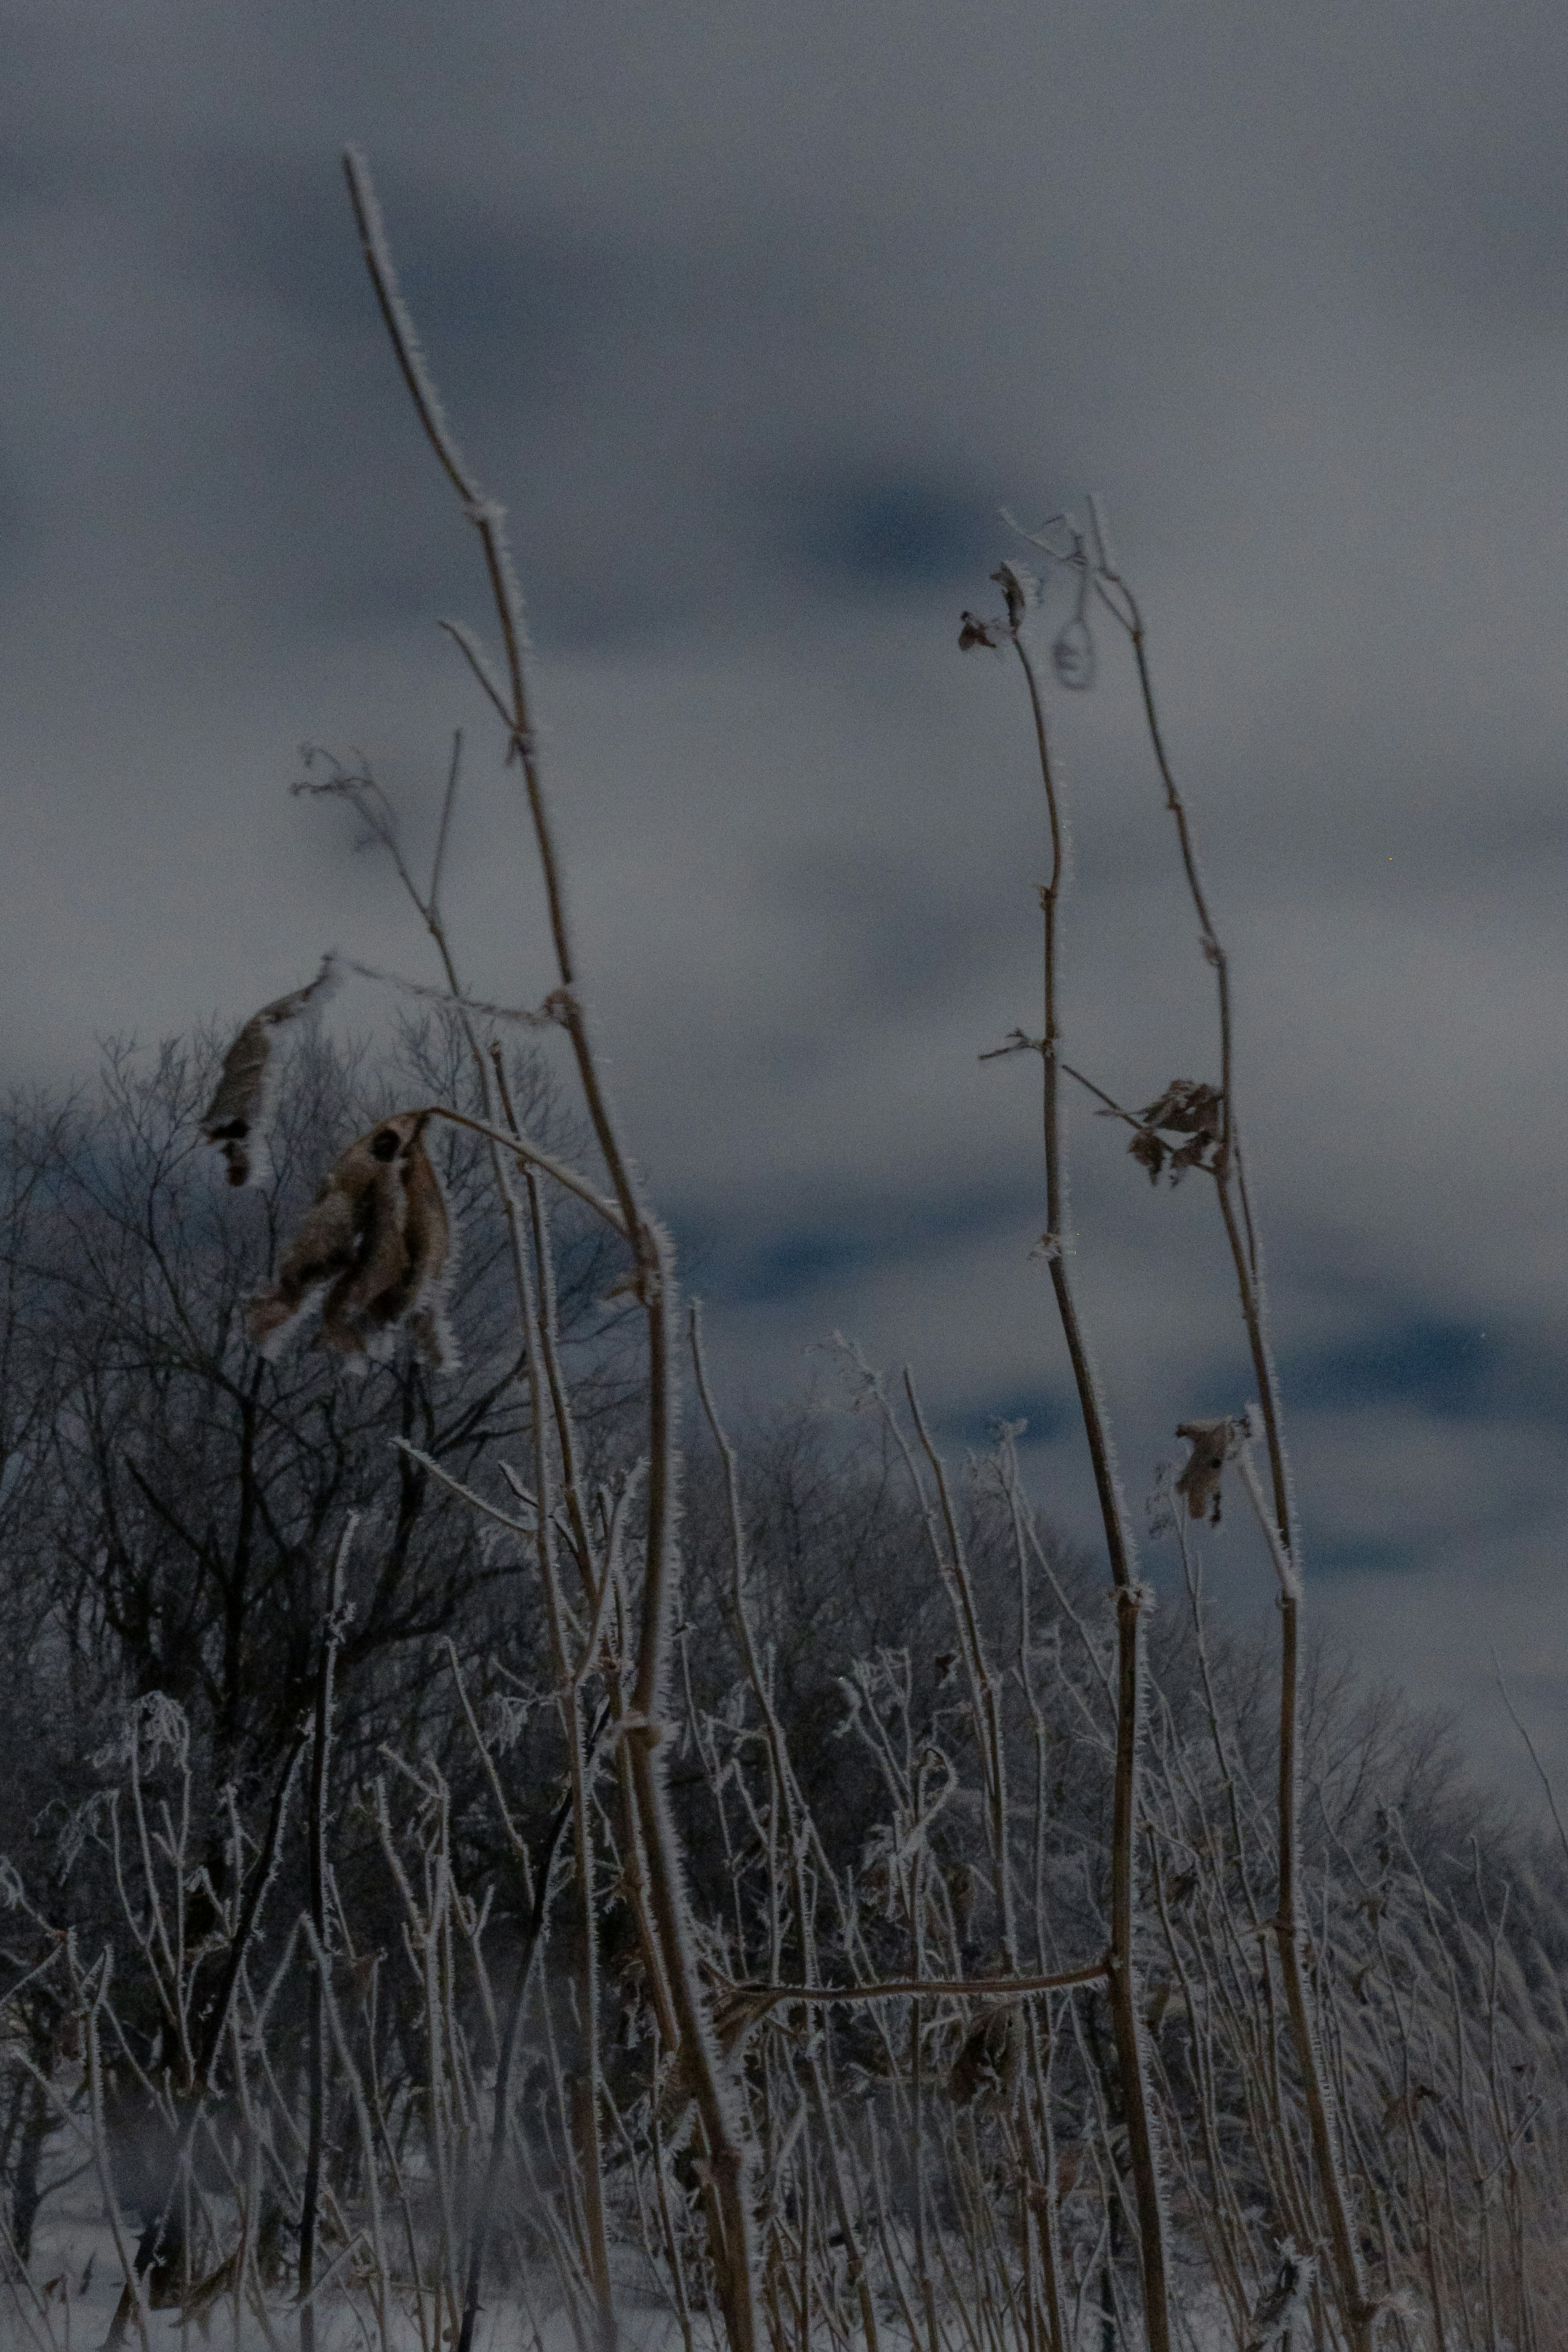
[236,1110]
[378,1233]
[1148,1152]
[1187,1106]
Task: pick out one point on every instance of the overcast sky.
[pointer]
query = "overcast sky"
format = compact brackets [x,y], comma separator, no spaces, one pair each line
[754,316]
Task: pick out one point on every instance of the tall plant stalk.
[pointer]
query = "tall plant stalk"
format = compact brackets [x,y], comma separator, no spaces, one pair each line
[654,1281]
[1228,1170]
[1126,2021]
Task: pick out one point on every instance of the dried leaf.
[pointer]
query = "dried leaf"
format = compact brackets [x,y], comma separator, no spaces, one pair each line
[1187,1106]
[1148,1152]
[1018,585]
[236,1110]
[1190,1155]
[1200,1481]
[976,632]
[377,1232]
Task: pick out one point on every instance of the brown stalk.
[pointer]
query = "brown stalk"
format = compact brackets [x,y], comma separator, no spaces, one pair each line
[732,2251]
[1041,2197]
[1127,2023]
[1230,1184]
[928,1988]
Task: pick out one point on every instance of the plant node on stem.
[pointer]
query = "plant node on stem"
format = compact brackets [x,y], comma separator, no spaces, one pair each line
[1125,2007]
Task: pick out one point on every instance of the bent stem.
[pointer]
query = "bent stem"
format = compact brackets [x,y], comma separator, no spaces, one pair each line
[1230,1186]
[654,1281]
[1126,2021]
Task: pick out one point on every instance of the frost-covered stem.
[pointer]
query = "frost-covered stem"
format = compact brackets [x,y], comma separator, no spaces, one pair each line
[533,1156]
[590,2151]
[782,1771]
[1272,2086]
[716,2101]
[1465,2095]
[537,1291]
[167,1981]
[917,2086]
[797,1826]
[984,1691]
[705,1747]
[539,1910]
[481,511]
[560,1403]
[1037,2189]
[1041,2197]
[655,1292]
[1227,1169]
[383,2275]
[428,1921]
[1200,2063]
[648,1249]
[1507,2133]
[730,2203]
[1118,1544]
[220,2009]
[1127,2023]
[547,1316]
[911,1988]
[1230,1184]
[132,2304]
[247,2273]
[176,1849]
[378,2108]
[672,2244]
[634,1881]
[568,1673]
[263,1871]
[319,1923]
[1361,2315]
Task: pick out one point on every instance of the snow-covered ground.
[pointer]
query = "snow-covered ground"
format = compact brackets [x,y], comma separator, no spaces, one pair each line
[76,2276]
